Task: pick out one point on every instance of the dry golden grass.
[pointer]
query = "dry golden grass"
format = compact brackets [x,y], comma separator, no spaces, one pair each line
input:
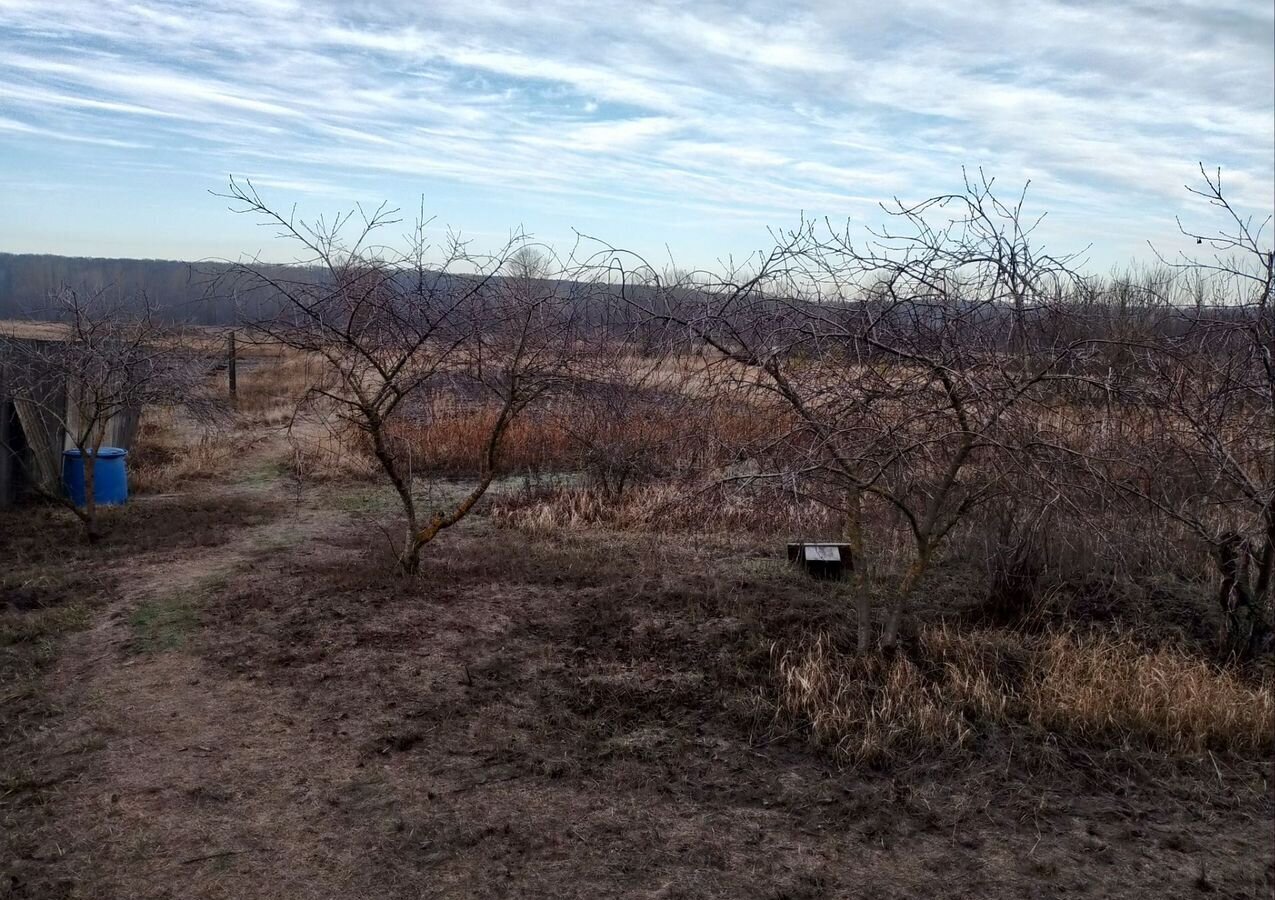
[1088,687]
[866,709]
[27,329]
[1105,686]
[663,506]
[271,385]
[171,451]
[323,454]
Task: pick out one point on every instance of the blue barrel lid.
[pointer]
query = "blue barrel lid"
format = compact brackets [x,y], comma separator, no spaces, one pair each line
[103,453]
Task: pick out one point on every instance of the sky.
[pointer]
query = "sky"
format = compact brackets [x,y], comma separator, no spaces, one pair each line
[679,130]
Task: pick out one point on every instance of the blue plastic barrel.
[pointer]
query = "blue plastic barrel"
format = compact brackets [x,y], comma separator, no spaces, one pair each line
[110,477]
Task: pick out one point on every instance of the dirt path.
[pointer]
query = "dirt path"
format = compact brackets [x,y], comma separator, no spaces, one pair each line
[176,750]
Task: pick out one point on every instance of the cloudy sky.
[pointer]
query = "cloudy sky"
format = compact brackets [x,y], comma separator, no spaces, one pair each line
[694,126]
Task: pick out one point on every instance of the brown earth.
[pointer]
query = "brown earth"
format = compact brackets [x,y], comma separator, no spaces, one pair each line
[258,708]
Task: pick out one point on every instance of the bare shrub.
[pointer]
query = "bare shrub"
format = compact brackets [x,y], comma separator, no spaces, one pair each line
[113,356]
[905,366]
[450,437]
[1015,560]
[1188,432]
[650,416]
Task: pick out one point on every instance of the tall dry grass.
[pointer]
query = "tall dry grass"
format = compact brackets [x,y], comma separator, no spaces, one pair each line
[451,438]
[865,709]
[1104,686]
[869,710]
[578,434]
[326,453]
[171,451]
[272,382]
[664,506]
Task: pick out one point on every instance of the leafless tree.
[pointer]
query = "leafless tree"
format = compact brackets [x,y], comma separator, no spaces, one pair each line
[1242,255]
[101,361]
[1199,411]
[395,327]
[901,366]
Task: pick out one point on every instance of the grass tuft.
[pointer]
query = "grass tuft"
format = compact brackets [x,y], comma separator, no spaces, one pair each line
[872,709]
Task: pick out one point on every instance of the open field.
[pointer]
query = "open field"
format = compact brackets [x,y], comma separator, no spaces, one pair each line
[670,451]
[236,695]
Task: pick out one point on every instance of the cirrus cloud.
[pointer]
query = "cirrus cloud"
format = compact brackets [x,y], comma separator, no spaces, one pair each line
[706,121]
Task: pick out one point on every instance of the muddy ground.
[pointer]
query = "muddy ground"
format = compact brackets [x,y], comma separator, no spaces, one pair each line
[235,697]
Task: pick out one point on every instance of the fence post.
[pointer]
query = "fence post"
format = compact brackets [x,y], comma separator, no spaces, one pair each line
[230,361]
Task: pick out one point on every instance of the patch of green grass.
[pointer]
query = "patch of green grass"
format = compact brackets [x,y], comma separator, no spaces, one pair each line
[168,622]
[266,473]
[363,499]
[165,624]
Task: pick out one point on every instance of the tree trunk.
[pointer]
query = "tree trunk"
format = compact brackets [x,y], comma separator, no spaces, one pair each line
[418,538]
[859,577]
[898,608]
[89,458]
[409,560]
[1245,622]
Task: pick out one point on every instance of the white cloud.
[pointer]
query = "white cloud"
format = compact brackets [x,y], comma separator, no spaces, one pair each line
[714,108]
[13,125]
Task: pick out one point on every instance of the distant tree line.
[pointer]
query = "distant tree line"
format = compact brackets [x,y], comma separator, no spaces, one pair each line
[179,290]
[202,293]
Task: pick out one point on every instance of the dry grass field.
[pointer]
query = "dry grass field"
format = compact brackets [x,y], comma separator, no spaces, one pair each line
[582,694]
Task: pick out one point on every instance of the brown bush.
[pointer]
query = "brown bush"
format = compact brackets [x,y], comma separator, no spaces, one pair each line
[451,438]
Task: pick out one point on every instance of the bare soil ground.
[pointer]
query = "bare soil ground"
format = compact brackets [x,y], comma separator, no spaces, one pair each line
[253,705]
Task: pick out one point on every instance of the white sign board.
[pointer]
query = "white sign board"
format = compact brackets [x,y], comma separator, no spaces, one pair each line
[816,553]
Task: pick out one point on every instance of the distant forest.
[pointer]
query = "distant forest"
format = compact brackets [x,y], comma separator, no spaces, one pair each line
[185,291]
[192,293]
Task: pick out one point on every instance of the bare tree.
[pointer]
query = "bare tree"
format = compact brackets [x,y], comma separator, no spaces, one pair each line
[103,360]
[901,367]
[395,328]
[1242,255]
[1201,400]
